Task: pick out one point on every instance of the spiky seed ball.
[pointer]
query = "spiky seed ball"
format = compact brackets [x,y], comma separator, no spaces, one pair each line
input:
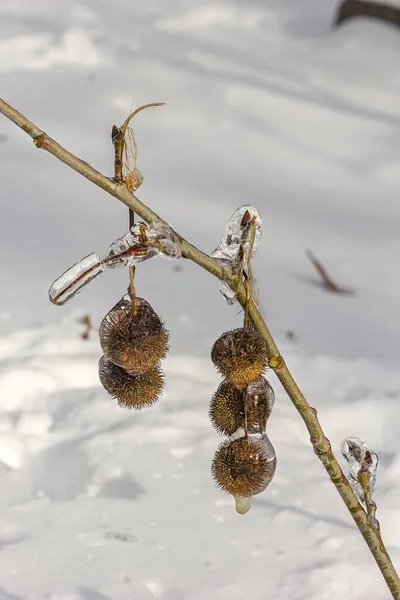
[242,468]
[240,355]
[227,406]
[131,391]
[135,342]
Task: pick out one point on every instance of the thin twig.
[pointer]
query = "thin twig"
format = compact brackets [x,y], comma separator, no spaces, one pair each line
[319,441]
[326,280]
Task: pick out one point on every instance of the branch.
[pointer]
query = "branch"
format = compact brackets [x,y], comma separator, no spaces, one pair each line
[349,9]
[326,280]
[319,441]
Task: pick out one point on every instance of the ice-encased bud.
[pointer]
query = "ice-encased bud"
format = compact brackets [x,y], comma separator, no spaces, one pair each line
[237,235]
[359,459]
[162,238]
[128,250]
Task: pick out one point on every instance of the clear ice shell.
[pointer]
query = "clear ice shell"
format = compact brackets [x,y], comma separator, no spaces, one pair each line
[163,239]
[75,278]
[262,400]
[237,234]
[118,254]
[359,459]
[139,244]
[269,451]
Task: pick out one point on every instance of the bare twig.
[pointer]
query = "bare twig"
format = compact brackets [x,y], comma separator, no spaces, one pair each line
[319,441]
[349,9]
[326,280]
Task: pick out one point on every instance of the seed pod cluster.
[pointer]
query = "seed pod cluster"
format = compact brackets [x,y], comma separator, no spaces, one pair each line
[245,463]
[134,341]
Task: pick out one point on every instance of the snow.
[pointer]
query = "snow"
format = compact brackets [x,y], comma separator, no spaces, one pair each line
[266,105]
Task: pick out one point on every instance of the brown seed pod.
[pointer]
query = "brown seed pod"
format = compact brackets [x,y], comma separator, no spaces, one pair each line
[131,391]
[227,406]
[243,467]
[135,342]
[240,355]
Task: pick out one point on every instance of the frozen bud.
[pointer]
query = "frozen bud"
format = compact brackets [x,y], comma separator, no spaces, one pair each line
[360,459]
[227,411]
[240,355]
[136,341]
[243,467]
[164,240]
[131,391]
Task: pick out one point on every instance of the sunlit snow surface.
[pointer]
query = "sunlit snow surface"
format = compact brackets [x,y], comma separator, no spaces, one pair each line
[265,106]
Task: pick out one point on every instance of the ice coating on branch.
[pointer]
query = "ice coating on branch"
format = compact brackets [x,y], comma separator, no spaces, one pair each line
[238,235]
[359,459]
[75,278]
[127,250]
[140,243]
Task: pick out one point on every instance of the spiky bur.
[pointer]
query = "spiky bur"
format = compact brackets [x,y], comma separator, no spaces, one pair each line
[135,342]
[242,467]
[131,391]
[240,355]
[227,407]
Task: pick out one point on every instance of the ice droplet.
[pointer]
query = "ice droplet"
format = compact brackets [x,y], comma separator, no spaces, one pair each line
[243,505]
[238,235]
[359,459]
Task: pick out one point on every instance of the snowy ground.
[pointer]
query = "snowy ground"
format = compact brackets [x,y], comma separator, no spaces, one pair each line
[266,105]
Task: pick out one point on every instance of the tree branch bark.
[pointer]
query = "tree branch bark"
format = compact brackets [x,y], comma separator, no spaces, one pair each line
[319,441]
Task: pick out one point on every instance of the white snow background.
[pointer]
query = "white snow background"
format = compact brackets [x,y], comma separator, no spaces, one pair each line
[265,105]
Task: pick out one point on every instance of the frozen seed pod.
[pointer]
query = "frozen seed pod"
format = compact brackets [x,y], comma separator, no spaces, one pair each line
[244,467]
[134,341]
[131,391]
[227,406]
[240,355]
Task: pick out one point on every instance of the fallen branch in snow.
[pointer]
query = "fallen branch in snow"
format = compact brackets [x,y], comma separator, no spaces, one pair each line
[350,9]
[319,441]
[327,282]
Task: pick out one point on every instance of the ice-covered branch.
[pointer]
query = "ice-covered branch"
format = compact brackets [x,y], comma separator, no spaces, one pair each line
[318,439]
